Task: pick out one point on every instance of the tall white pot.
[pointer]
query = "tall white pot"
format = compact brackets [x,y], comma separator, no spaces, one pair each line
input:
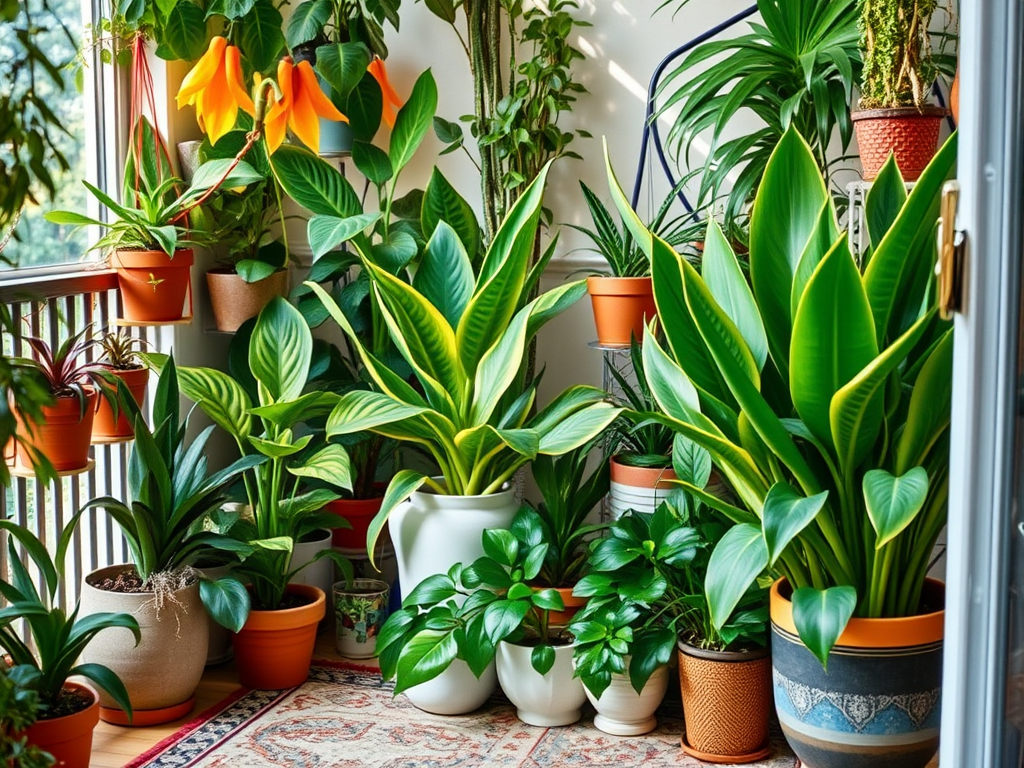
[431,533]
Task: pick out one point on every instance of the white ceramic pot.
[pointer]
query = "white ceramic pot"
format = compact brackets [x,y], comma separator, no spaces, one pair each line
[641,489]
[319,574]
[431,533]
[544,700]
[219,648]
[621,711]
[161,672]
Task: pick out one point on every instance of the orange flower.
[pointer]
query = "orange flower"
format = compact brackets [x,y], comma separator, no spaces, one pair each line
[214,86]
[300,107]
[392,101]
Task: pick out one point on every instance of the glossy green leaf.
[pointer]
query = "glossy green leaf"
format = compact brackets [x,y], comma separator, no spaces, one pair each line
[279,449]
[893,502]
[424,657]
[929,412]
[401,487]
[445,274]
[313,183]
[442,202]
[413,121]
[542,659]
[220,397]
[326,233]
[821,616]
[785,514]
[185,31]
[227,601]
[372,161]
[577,429]
[330,464]
[261,38]
[738,559]
[884,200]
[307,21]
[342,66]
[691,462]
[280,350]
[822,239]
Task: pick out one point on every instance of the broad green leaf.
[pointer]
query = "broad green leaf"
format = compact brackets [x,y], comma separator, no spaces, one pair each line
[308,20]
[542,659]
[311,405]
[669,385]
[500,545]
[329,464]
[220,397]
[737,561]
[884,201]
[724,278]
[893,502]
[498,368]
[326,233]
[424,657]
[577,429]
[785,214]
[280,350]
[395,253]
[401,487]
[785,514]
[433,590]
[227,601]
[279,449]
[929,411]
[215,173]
[363,108]
[822,239]
[342,65]
[185,31]
[442,202]
[691,462]
[261,38]
[833,338]
[445,274]
[313,183]
[362,411]
[413,121]
[821,616]
[372,162]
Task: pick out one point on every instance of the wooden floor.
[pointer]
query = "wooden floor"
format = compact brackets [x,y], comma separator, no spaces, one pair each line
[113,745]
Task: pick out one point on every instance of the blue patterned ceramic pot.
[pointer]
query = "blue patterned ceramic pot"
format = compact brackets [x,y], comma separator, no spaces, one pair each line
[878,704]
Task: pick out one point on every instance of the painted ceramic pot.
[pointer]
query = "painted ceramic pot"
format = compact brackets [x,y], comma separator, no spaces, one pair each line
[360,611]
[878,704]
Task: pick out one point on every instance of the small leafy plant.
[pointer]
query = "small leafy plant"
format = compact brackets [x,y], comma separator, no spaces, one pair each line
[121,350]
[19,708]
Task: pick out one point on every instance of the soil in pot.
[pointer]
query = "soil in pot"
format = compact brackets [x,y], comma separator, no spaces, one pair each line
[234,301]
[67,733]
[65,434]
[912,136]
[153,286]
[622,305]
[104,426]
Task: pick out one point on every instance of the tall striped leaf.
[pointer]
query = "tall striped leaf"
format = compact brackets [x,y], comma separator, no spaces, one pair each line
[445,274]
[785,214]
[833,338]
[361,411]
[498,368]
[577,429]
[220,397]
[442,202]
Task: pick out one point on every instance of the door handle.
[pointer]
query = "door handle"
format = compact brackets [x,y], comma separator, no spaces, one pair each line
[950,266]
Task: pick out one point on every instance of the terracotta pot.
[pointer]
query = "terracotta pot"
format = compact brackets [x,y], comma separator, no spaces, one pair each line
[570,601]
[274,648]
[727,699]
[954,96]
[879,702]
[64,436]
[68,738]
[622,305]
[104,426]
[159,692]
[910,135]
[358,513]
[152,284]
[641,489]
[234,301]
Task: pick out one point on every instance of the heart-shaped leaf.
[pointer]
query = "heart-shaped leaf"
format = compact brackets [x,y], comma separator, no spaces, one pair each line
[821,616]
[893,502]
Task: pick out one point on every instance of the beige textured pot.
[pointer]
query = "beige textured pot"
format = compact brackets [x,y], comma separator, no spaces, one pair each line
[235,301]
[161,673]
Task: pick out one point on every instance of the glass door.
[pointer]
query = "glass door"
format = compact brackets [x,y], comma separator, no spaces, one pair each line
[983,682]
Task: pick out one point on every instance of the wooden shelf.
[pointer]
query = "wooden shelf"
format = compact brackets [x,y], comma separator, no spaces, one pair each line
[20,470]
[111,440]
[124,323]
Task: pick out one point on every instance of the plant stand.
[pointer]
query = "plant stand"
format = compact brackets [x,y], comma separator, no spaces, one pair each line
[615,356]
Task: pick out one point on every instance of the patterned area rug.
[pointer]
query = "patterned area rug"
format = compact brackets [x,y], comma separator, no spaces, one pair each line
[345,717]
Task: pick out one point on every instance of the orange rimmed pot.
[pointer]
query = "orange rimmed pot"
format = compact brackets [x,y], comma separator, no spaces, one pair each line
[234,301]
[68,738]
[911,135]
[359,513]
[641,489]
[105,426]
[727,700]
[878,704]
[153,285]
[63,436]
[622,305]
[572,605]
[274,648]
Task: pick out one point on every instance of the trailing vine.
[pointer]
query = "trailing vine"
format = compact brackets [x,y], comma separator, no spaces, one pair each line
[898,64]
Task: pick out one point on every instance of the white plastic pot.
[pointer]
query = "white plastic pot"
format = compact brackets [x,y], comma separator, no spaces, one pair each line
[544,700]
[621,711]
[641,489]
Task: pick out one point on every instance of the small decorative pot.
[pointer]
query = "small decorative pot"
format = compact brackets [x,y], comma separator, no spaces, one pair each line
[274,648]
[234,301]
[358,513]
[68,738]
[105,427]
[64,434]
[621,711]
[641,489]
[727,699]
[878,704]
[544,700]
[177,629]
[622,305]
[360,611]
[912,136]
[319,574]
[153,286]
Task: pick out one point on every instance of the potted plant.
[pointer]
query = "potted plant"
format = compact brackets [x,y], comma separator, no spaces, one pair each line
[68,710]
[19,705]
[64,432]
[895,116]
[150,239]
[483,613]
[559,521]
[274,646]
[846,387]
[465,341]
[123,362]
[163,521]
[360,610]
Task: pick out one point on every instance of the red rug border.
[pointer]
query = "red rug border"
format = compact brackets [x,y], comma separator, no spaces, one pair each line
[212,711]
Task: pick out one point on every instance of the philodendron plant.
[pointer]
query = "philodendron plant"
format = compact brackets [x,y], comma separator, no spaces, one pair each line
[465,338]
[822,392]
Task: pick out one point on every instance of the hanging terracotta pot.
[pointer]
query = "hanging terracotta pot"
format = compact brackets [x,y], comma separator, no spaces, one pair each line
[910,135]
[234,301]
[727,700]
[152,284]
[878,703]
[68,738]
[105,427]
[622,305]
[274,648]
[359,513]
[64,435]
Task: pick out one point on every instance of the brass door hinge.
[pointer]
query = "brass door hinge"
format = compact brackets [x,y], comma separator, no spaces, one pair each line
[950,267]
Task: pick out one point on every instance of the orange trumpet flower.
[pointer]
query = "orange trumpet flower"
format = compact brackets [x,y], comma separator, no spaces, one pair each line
[214,86]
[392,101]
[300,107]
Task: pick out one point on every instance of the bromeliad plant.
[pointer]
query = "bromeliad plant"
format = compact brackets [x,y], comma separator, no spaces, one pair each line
[465,340]
[277,458]
[420,641]
[823,393]
[57,638]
